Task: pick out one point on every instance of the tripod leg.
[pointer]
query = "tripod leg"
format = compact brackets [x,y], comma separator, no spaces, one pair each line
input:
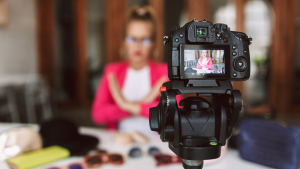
[192,164]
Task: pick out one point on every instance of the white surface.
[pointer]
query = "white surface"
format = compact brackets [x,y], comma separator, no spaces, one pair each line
[204,70]
[230,161]
[137,123]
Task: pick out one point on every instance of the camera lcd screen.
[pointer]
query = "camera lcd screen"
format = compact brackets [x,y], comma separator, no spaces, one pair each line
[203,62]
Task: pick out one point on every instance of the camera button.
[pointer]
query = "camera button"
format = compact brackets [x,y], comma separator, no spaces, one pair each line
[245,51]
[225,40]
[233,47]
[181,35]
[176,40]
[234,74]
[218,35]
[162,89]
[234,53]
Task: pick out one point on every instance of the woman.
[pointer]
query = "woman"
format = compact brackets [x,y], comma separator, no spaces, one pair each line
[204,61]
[128,89]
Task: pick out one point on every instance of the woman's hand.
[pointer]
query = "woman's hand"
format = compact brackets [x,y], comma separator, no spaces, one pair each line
[199,62]
[155,90]
[133,108]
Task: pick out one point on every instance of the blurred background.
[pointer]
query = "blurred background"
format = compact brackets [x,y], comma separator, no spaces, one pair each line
[52,52]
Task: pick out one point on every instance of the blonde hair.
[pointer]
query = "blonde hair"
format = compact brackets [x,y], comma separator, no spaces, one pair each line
[138,13]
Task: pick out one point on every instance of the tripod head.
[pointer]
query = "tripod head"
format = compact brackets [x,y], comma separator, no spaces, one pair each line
[196,131]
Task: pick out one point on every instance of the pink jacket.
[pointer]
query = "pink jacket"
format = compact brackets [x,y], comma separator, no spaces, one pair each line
[209,64]
[105,110]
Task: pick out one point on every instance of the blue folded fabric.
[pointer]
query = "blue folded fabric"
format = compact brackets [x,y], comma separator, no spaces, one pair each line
[270,143]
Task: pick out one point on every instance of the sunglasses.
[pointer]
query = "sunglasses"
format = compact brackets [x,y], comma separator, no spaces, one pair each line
[96,160]
[165,159]
[71,166]
[136,152]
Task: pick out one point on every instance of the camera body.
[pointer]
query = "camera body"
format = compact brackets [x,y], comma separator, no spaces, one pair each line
[228,50]
[203,59]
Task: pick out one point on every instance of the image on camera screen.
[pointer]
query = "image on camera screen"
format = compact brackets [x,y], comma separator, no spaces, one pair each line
[199,62]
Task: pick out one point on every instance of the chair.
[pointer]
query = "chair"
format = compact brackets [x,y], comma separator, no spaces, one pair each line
[8,103]
[36,92]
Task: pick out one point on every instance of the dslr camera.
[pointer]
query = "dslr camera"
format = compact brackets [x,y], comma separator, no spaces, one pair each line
[203,58]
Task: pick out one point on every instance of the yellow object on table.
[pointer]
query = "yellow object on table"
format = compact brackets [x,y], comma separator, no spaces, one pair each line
[39,157]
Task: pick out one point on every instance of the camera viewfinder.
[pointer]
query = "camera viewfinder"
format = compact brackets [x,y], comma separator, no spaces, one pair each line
[201,31]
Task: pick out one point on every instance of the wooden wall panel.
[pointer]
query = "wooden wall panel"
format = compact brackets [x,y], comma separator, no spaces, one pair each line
[3,12]
[283,55]
[158,6]
[45,39]
[81,50]
[240,14]
[197,9]
[115,15]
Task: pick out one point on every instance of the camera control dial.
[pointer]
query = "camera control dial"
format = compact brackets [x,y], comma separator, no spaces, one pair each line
[220,26]
[240,64]
[174,28]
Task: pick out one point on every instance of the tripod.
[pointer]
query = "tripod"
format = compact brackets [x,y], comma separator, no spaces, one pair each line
[196,131]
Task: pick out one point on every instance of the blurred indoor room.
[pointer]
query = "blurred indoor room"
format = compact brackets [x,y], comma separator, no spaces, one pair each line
[70,84]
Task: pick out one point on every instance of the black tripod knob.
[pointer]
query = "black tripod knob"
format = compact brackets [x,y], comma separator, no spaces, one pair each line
[154,119]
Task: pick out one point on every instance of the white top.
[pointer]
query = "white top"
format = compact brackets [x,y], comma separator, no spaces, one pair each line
[136,87]
[137,84]
[204,61]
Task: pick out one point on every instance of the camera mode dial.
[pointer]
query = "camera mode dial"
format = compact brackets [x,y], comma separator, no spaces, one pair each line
[220,26]
[174,28]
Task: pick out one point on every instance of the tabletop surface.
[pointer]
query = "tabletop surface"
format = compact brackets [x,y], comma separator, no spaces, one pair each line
[231,159]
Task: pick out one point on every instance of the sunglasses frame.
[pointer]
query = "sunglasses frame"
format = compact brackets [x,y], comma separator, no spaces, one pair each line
[68,166]
[173,159]
[105,159]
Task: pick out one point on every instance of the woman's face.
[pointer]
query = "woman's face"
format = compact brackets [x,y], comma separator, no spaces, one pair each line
[138,41]
[204,53]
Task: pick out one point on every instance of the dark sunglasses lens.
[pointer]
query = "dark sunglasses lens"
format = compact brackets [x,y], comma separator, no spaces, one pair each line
[163,159]
[116,158]
[153,150]
[75,166]
[135,152]
[93,161]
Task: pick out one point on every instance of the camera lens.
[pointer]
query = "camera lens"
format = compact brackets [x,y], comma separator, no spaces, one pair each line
[201,31]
